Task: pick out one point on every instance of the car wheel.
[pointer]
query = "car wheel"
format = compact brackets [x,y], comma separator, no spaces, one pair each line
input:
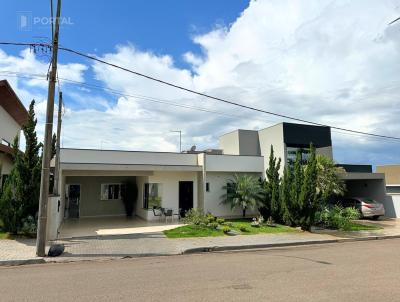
[376,217]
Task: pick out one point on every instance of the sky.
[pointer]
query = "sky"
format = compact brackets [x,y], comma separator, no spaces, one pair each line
[332,62]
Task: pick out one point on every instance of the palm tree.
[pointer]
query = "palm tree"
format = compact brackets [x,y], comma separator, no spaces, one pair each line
[329,182]
[243,191]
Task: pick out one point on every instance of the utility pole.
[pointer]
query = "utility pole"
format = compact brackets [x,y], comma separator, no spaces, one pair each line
[180,138]
[44,182]
[57,163]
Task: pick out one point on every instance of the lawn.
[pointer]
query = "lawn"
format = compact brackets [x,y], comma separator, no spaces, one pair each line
[363,227]
[242,226]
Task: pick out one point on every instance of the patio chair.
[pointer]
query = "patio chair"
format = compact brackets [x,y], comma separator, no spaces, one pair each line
[158,212]
[168,213]
[178,214]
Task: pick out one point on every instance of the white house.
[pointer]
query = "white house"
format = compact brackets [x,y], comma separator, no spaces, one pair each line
[12,117]
[94,182]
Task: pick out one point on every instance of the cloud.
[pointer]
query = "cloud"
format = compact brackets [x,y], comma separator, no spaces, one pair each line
[332,62]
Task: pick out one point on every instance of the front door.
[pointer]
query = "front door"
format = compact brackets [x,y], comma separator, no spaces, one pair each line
[74,196]
[185,196]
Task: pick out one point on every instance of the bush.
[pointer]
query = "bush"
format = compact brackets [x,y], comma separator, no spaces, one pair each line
[210,218]
[226,229]
[29,225]
[220,220]
[244,229]
[337,217]
[196,217]
[213,225]
[229,224]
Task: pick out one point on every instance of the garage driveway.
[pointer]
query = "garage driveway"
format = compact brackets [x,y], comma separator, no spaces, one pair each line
[107,226]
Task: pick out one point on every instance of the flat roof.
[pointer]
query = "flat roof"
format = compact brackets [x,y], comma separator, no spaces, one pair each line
[12,104]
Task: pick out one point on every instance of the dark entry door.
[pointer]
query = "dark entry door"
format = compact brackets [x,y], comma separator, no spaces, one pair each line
[74,196]
[185,196]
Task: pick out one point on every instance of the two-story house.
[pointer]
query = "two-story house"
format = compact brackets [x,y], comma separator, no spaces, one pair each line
[12,117]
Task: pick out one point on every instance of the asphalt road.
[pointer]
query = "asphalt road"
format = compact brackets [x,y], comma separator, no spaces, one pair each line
[357,271]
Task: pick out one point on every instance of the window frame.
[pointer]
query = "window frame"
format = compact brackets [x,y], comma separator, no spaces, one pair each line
[111,184]
[146,203]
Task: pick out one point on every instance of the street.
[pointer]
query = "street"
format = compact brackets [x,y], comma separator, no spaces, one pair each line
[356,271]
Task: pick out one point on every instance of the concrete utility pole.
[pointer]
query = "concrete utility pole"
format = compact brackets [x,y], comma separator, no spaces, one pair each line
[44,183]
[57,163]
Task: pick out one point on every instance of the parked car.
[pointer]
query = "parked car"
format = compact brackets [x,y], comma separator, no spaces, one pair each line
[367,206]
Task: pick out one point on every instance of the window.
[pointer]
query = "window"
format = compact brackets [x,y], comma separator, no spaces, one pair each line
[207,187]
[292,153]
[230,188]
[110,191]
[152,196]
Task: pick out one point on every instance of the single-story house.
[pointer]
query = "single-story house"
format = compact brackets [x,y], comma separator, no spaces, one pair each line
[94,182]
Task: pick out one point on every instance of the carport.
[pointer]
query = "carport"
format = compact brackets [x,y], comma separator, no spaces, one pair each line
[359,184]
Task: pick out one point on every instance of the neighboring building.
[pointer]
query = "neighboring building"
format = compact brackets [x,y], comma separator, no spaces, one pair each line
[288,138]
[12,117]
[392,176]
[93,181]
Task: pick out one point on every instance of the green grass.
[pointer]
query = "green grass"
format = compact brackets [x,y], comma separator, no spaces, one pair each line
[5,235]
[203,231]
[363,227]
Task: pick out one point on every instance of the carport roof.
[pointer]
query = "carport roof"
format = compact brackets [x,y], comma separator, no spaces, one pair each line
[362,176]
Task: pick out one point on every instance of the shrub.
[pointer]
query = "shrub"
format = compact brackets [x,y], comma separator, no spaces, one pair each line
[210,218]
[196,217]
[29,225]
[226,229]
[244,229]
[213,225]
[229,224]
[220,220]
[337,217]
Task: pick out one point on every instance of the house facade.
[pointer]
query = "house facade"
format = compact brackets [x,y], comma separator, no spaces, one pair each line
[94,182]
[13,115]
[392,176]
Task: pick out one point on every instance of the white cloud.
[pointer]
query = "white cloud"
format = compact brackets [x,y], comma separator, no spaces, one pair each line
[333,62]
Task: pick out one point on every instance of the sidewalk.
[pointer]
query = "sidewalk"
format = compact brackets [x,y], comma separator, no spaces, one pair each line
[14,252]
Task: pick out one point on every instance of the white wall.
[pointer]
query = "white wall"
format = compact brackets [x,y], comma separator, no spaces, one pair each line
[272,136]
[127,157]
[9,128]
[55,216]
[229,143]
[232,163]
[392,205]
[213,198]
[170,191]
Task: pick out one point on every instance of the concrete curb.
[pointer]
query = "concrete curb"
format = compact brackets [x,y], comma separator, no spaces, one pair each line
[22,262]
[206,249]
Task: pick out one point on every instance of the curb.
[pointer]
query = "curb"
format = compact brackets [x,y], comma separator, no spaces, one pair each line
[21,262]
[208,249]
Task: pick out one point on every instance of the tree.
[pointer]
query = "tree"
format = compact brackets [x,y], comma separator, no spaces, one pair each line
[329,183]
[296,182]
[308,201]
[271,188]
[11,201]
[30,169]
[243,191]
[285,196]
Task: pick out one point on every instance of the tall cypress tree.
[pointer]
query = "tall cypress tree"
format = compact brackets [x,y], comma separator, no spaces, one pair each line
[295,189]
[308,201]
[285,198]
[30,172]
[11,201]
[271,188]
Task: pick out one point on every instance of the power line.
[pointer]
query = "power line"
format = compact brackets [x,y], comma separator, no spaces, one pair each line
[160,101]
[196,92]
